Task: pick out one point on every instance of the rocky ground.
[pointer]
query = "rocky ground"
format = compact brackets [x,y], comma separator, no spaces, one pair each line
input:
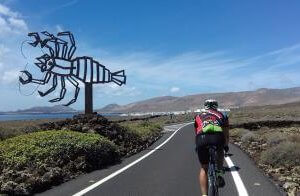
[270,135]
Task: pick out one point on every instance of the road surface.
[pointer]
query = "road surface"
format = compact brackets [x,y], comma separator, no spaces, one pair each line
[168,167]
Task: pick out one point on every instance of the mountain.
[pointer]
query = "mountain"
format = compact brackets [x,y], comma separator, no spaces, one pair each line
[47,110]
[259,97]
[110,107]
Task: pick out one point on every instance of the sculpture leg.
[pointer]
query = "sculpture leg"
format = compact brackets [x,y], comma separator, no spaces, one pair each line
[42,94]
[62,92]
[77,89]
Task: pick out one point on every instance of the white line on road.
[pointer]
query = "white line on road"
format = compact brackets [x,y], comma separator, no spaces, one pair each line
[237,179]
[84,191]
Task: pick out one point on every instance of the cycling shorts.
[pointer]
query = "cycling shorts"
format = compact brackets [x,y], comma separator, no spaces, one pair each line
[205,139]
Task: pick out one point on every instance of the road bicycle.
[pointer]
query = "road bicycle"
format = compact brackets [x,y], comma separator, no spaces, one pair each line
[212,168]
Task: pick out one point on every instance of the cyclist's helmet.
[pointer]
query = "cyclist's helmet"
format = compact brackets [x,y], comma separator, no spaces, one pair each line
[210,104]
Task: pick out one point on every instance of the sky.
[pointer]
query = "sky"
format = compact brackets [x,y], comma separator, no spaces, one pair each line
[167,47]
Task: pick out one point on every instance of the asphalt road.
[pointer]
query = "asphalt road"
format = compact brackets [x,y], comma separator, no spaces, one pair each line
[172,169]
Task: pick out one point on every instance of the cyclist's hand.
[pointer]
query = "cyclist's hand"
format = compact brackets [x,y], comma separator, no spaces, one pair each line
[226,148]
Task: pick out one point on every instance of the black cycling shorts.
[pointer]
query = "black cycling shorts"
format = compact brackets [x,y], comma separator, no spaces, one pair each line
[203,140]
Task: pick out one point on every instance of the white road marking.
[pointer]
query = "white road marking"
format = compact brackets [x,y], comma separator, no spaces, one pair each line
[84,191]
[237,179]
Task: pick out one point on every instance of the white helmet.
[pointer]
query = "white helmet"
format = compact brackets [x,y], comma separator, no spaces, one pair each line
[210,104]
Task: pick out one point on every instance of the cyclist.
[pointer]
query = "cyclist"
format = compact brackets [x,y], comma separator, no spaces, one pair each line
[211,128]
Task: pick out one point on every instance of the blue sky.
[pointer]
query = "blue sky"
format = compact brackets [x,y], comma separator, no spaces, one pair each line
[167,47]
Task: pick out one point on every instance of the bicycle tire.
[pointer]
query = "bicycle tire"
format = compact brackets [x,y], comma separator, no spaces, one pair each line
[212,179]
[212,191]
[212,185]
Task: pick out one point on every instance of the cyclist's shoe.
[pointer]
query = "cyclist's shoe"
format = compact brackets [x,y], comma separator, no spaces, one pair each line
[220,179]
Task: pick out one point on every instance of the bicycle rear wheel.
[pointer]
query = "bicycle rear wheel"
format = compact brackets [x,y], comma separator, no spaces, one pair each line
[212,183]
[212,177]
[213,191]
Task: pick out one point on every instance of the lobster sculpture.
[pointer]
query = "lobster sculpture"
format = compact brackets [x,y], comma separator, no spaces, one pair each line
[58,63]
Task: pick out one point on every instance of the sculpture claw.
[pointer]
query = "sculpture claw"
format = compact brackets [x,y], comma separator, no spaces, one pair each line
[41,93]
[36,38]
[26,81]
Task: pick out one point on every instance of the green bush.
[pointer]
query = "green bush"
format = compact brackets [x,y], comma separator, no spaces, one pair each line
[285,154]
[143,129]
[39,160]
[138,136]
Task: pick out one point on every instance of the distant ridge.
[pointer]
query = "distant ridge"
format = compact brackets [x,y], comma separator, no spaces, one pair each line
[110,107]
[259,97]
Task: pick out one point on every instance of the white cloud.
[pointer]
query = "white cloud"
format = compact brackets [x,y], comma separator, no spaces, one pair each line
[11,22]
[115,90]
[3,50]
[59,28]
[216,71]
[10,76]
[64,5]
[174,89]
[12,30]
[18,24]
[7,12]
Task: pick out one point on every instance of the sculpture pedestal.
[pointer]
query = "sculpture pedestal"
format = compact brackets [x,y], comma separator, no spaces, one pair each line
[88,98]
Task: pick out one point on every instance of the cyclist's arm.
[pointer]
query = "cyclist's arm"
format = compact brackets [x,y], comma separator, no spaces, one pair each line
[197,123]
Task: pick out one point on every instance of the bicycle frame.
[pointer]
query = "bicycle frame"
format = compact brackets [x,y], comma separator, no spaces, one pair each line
[212,167]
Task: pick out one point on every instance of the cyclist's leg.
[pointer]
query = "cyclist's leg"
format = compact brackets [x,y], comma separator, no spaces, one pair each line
[220,160]
[220,140]
[203,156]
[203,179]
[220,157]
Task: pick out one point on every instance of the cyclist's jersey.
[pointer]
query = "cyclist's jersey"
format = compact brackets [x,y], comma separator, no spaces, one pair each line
[210,121]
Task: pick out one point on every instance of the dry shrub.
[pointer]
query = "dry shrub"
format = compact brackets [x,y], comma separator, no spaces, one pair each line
[238,132]
[294,138]
[276,138]
[285,154]
[249,137]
